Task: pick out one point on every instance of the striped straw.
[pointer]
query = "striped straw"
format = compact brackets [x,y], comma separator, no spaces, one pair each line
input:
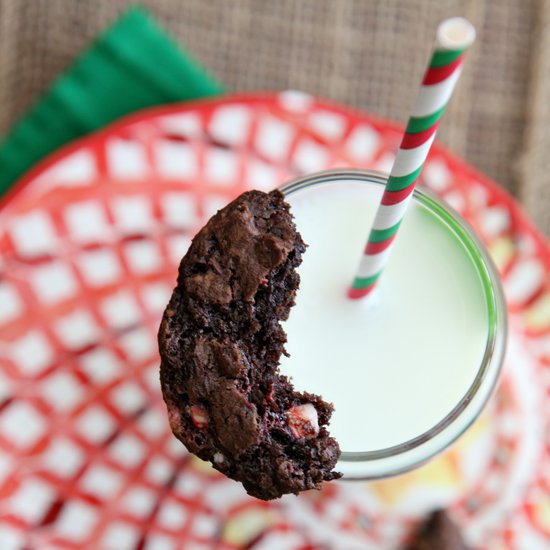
[454,36]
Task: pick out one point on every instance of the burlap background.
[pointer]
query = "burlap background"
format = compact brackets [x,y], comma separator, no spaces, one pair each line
[367,53]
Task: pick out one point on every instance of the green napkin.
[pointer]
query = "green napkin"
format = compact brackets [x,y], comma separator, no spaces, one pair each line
[132,65]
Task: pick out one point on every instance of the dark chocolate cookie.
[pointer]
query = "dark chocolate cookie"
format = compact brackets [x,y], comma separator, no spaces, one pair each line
[438,532]
[220,342]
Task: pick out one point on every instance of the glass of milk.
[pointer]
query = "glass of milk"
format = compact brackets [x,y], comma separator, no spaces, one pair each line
[411,366]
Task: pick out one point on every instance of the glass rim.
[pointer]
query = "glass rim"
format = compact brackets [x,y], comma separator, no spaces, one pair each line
[492,289]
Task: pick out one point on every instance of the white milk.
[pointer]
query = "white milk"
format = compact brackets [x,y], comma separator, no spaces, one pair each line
[396,363]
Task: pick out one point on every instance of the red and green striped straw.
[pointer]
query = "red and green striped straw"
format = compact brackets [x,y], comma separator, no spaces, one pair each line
[454,36]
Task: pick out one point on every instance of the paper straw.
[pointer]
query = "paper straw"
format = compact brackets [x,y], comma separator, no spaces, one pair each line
[454,36]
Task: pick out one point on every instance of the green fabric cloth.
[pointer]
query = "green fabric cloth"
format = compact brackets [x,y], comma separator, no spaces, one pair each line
[133,65]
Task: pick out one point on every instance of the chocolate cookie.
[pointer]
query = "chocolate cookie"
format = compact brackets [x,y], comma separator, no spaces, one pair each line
[438,532]
[220,342]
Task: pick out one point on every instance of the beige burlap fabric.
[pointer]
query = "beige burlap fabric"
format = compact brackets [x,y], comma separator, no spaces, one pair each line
[366,53]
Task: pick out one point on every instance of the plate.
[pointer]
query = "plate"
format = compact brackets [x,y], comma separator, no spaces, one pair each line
[90,241]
